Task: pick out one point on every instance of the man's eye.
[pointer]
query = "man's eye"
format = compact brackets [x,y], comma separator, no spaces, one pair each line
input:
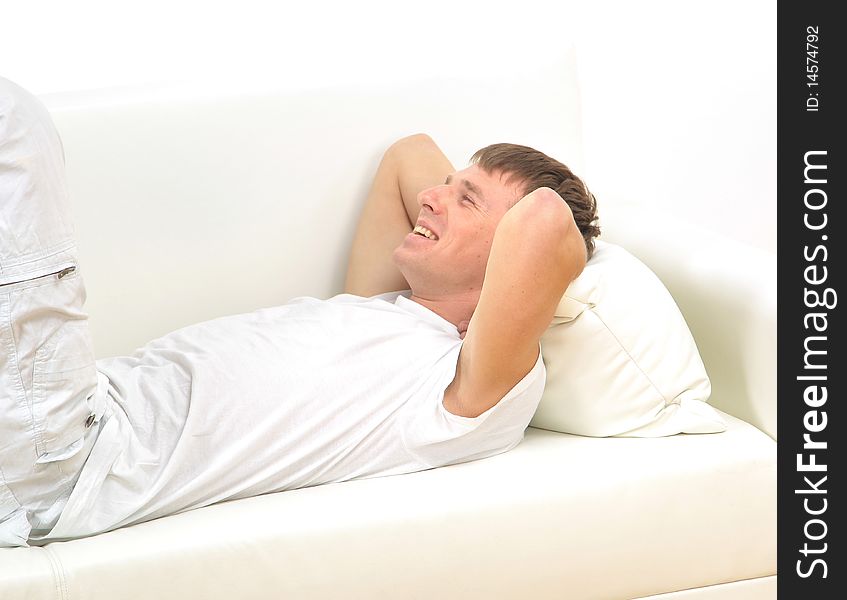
[468,198]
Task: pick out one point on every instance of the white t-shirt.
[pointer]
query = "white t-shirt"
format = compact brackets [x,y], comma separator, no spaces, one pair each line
[310,392]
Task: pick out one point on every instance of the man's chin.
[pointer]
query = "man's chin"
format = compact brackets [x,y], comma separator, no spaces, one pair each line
[409,264]
[405,252]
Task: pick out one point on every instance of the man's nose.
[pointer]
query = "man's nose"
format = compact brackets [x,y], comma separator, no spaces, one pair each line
[433,198]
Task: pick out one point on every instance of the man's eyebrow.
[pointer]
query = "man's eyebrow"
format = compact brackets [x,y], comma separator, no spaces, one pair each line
[473,188]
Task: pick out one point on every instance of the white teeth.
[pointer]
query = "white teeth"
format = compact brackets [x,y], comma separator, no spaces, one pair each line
[425,232]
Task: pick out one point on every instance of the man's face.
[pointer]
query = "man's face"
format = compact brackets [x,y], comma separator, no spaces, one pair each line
[462,215]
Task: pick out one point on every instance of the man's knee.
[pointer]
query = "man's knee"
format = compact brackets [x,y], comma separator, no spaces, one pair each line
[35,220]
[24,117]
[15,105]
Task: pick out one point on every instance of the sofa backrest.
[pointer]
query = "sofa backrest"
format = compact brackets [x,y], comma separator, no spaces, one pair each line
[197,201]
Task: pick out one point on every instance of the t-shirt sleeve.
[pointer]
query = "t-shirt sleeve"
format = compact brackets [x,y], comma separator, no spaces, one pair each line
[438,437]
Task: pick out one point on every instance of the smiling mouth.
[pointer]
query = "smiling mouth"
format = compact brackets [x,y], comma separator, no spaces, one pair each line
[423,231]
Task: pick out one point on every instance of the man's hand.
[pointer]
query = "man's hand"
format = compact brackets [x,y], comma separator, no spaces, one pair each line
[463,328]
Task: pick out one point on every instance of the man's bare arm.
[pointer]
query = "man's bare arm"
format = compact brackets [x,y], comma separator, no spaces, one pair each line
[537,251]
[410,165]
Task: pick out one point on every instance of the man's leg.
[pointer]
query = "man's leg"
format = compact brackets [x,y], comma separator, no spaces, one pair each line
[49,400]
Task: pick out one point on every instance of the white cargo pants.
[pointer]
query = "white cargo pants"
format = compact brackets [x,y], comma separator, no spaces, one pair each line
[50,405]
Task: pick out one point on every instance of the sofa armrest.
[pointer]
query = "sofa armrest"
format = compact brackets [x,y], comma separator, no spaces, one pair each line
[727,292]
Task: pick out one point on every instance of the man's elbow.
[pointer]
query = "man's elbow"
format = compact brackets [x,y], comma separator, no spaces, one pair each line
[553,221]
[545,206]
[417,142]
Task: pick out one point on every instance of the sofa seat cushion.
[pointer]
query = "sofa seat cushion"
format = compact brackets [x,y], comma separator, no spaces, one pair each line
[615,517]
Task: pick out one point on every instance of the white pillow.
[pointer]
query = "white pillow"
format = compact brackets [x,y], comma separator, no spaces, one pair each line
[620,358]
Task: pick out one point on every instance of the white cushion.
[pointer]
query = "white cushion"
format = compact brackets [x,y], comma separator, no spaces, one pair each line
[620,358]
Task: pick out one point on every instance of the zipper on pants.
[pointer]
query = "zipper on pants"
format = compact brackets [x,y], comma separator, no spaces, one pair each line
[58,274]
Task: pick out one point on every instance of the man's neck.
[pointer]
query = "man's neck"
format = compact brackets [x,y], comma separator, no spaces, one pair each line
[454,308]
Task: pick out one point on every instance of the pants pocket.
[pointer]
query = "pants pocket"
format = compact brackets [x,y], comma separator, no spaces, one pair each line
[64,383]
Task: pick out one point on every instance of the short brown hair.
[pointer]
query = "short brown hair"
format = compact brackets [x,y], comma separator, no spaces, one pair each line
[535,169]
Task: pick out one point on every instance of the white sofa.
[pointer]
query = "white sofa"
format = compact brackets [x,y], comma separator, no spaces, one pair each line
[197,202]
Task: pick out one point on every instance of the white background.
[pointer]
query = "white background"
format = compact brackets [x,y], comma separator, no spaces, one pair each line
[678,98]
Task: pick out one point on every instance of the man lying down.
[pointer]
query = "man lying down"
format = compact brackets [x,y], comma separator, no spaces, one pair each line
[371,382]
